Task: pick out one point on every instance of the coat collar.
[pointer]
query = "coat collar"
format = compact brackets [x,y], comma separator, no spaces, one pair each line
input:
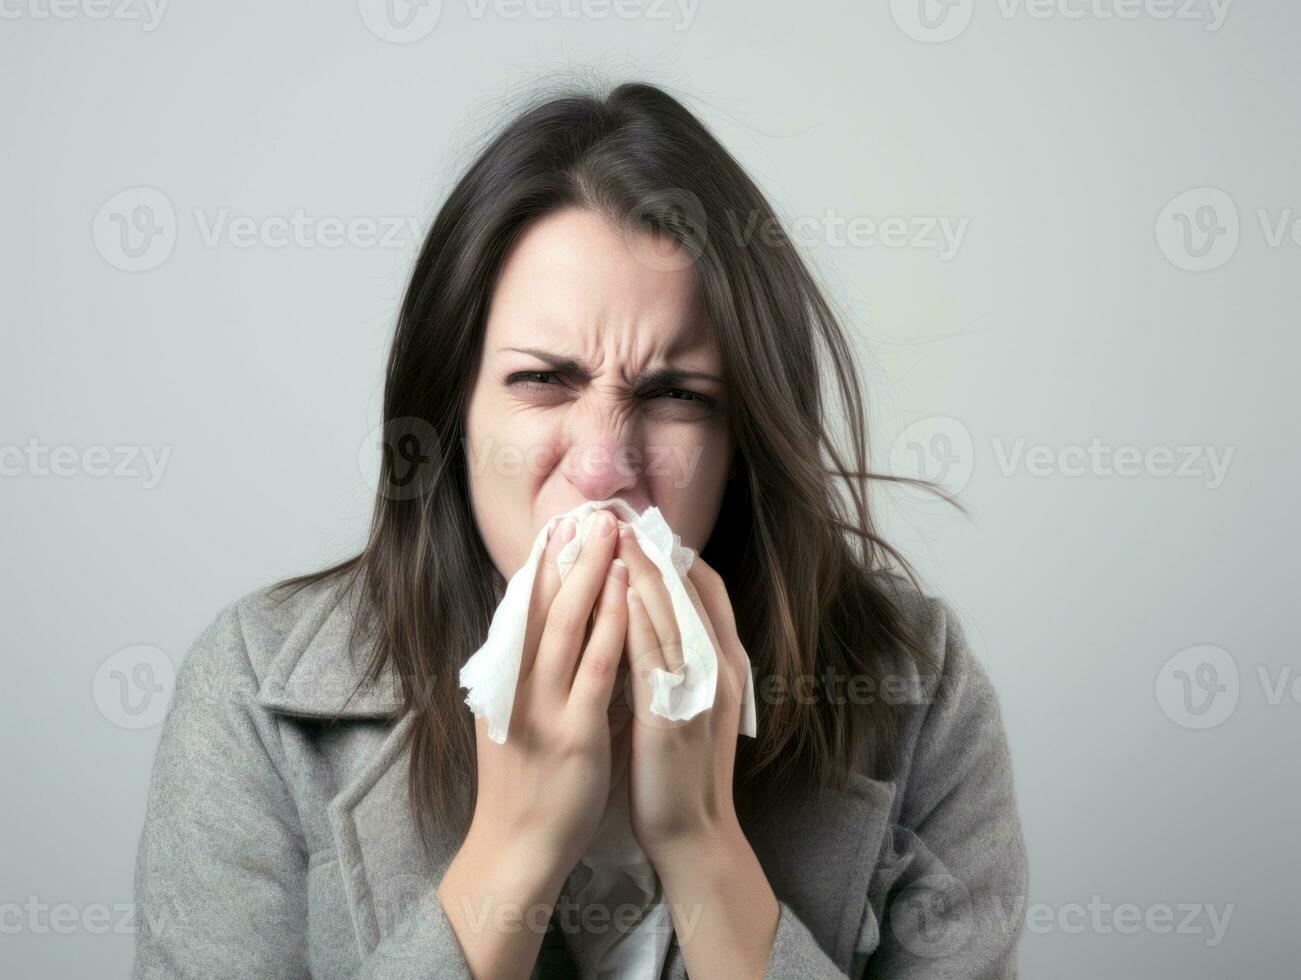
[819,853]
[318,672]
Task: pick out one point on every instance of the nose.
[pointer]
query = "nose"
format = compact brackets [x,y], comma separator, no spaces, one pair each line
[601,458]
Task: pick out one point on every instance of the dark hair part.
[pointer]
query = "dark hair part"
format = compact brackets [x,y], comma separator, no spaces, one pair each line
[808,573]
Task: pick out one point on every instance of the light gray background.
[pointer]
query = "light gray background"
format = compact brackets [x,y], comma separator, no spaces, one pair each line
[1073,309]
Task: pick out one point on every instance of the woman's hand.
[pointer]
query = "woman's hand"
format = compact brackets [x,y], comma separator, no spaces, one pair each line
[542,793]
[681,780]
[549,782]
[680,787]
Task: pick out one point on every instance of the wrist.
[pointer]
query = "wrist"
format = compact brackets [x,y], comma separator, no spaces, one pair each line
[506,874]
[529,859]
[498,896]
[721,900]
[708,852]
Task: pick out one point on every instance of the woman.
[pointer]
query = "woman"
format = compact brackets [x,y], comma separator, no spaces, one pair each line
[588,319]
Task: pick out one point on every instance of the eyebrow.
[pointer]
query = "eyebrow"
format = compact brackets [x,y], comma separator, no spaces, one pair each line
[571,365]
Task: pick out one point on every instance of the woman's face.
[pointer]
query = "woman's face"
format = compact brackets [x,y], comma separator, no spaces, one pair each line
[598,377]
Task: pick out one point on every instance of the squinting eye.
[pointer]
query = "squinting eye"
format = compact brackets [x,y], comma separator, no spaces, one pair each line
[528,378]
[536,380]
[678,394]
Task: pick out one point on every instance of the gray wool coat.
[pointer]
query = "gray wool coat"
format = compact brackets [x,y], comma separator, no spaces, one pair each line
[278,846]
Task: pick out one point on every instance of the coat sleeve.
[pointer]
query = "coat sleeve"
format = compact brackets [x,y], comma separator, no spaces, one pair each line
[957,906]
[221,870]
[952,876]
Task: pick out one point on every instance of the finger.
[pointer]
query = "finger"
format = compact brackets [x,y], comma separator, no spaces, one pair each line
[647,579]
[644,655]
[598,667]
[545,586]
[706,588]
[710,587]
[690,588]
[562,637]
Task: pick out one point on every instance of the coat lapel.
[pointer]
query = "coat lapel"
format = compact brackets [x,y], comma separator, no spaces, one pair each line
[316,671]
[385,868]
[819,855]
[318,674]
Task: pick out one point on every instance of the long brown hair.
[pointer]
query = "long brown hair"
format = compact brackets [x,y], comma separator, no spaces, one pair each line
[805,567]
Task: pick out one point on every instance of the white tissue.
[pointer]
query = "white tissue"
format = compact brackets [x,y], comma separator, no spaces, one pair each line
[618,873]
[490,675]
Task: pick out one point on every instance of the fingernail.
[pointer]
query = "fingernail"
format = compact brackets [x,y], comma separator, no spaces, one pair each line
[605,523]
[619,569]
[566,530]
[625,531]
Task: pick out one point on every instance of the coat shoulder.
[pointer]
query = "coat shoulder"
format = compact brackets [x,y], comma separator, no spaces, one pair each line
[934,621]
[245,635]
[955,729]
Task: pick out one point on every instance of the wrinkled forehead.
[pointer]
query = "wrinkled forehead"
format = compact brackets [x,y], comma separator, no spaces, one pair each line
[575,283]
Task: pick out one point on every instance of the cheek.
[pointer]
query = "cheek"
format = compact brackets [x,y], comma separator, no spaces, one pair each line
[685,458]
[508,457]
[489,497]
[507,451]
[525,452]
[687,476]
